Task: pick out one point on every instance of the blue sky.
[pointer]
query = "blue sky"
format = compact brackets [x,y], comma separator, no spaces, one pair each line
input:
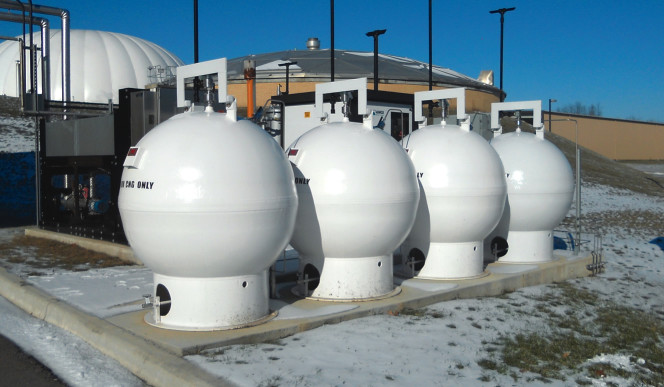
[609,53]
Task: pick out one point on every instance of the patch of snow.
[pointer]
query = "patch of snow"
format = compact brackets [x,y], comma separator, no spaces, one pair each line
[17,134]
[70,358]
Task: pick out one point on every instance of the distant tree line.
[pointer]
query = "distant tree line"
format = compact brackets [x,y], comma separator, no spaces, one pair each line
[582,109]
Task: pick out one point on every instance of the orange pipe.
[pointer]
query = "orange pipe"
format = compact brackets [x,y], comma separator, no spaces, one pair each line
[250,97]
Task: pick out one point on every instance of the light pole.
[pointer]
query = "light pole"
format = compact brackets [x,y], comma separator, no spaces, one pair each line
[375,35]
[550,100]
[287,65]
[502,11]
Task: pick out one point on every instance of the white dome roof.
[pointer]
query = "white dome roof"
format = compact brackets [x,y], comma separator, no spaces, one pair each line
[101,63]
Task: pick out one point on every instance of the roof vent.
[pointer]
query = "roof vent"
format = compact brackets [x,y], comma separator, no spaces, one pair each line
[313,44]
[486,76]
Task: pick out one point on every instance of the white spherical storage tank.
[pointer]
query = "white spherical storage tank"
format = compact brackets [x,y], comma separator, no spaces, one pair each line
[462,194]
[101,63]
[540,188]
[358,194]
[208,203]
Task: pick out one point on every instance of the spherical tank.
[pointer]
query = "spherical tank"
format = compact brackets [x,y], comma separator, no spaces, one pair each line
[462,198]
[540,187]
[358,193]
[208,203]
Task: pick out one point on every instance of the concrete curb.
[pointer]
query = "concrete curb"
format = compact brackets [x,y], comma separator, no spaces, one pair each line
[154,365]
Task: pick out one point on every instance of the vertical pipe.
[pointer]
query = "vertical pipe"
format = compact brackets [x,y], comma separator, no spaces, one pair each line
[197,81]
[578,190]
[331,40]
[46,66]
[430,47]
[250,98]
[195,31]
[502,23]
[375,64]
[250,76]
[66,72]
[549,114]
[33,62]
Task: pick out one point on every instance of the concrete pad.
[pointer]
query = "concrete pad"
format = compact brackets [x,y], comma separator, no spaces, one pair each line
[305,314]
[511,268]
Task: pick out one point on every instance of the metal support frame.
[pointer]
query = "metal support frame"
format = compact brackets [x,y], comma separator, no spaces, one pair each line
[535,106]
[577,189]
[359,84]
[457,93]
[217,66]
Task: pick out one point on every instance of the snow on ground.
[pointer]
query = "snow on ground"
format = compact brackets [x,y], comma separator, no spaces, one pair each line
[70,358]
[450,343]
[17,134]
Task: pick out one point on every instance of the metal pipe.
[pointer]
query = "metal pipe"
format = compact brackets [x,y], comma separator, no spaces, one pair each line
[430,47]
[332,43]
[64,16]
[45,47]
[550,100]
[195,31]
[577,190]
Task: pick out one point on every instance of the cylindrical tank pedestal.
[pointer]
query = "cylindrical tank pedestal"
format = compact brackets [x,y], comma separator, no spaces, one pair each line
[529,247]
[240,301]
[453,261]
[355,278]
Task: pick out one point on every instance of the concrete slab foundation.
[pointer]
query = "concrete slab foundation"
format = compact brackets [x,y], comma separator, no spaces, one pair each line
[158,347]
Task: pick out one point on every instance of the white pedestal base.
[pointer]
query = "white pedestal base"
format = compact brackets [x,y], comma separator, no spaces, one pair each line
[528,247]
[200,304]
[355,278]
[453,261]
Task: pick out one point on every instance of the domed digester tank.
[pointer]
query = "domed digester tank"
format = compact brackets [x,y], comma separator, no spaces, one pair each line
[208,203]
[357,194]
[540,187]
[462,194]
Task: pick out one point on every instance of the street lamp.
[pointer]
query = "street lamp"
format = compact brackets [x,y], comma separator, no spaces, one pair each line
[550,100]
[375,35]
[502,11]
[288,65]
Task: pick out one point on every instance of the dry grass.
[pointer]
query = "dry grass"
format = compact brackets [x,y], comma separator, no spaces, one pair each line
[40,253]
[587,328]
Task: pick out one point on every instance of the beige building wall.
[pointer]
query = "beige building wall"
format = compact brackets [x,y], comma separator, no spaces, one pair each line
[476,101]
[613,138]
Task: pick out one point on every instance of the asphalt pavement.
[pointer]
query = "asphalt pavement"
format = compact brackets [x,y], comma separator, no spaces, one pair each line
[18,368]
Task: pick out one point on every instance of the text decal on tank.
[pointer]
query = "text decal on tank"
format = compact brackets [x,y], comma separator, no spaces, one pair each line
[136,184]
